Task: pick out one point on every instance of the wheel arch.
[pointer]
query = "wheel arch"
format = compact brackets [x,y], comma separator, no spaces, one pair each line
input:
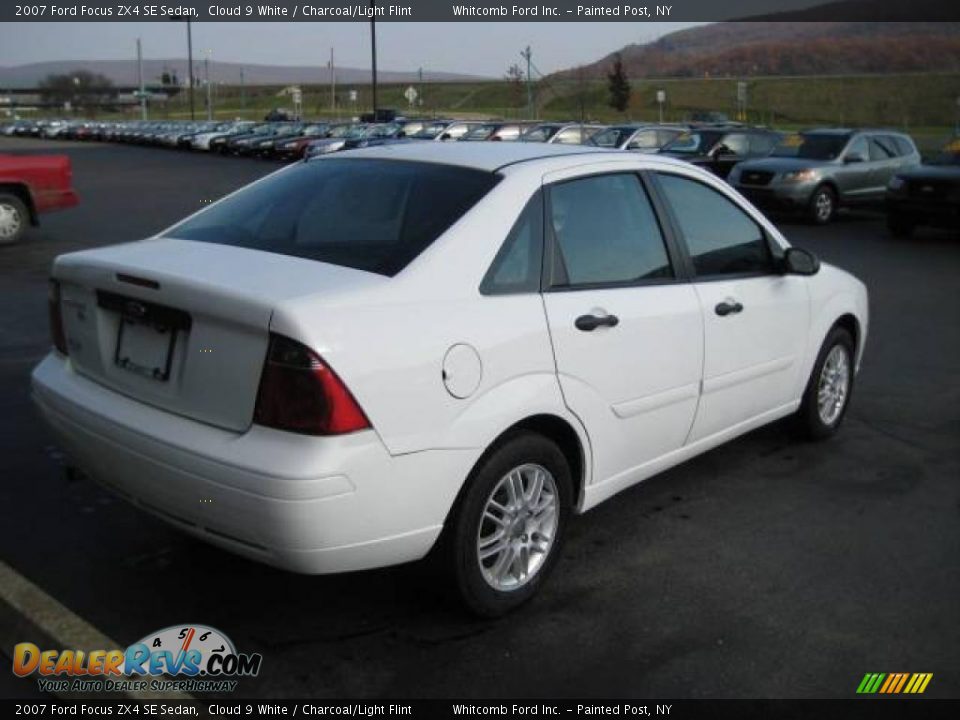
[22,191]
[553,427]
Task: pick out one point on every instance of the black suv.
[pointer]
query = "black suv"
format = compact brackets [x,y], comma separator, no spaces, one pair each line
[719,147]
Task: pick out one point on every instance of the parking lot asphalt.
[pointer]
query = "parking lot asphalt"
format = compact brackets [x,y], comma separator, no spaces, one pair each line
[769,567]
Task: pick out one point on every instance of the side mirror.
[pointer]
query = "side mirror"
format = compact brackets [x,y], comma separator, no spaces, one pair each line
[445,136]
[401,134]
[797,261]
[852,158]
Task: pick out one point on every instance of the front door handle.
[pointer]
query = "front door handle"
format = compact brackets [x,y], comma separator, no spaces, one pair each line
[728,308]
[589,323]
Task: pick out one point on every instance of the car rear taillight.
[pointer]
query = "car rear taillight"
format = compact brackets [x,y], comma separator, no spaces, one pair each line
[301,394]
[56,317]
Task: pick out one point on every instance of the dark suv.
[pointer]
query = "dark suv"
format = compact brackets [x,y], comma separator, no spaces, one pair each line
[719,147]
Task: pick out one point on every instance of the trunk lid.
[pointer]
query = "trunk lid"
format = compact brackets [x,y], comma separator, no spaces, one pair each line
[184,325]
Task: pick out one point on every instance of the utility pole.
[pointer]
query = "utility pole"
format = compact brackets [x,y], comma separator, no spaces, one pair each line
[206,74]
[333,86]
[528,55]
[420,85]
[373,52]
[143,95]
[193,115]
[243,94]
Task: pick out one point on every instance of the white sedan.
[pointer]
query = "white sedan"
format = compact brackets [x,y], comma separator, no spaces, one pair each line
[362,357]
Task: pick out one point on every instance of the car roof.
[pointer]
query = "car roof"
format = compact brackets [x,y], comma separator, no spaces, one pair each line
[492,156]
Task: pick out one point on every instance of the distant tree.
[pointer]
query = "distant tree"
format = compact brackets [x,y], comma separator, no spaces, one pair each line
[618,85]
[515,78]
[80,88]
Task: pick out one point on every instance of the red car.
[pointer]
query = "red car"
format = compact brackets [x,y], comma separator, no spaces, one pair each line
[30,185]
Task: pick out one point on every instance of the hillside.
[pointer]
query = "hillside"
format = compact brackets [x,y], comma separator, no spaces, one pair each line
[736,49]
[124,72]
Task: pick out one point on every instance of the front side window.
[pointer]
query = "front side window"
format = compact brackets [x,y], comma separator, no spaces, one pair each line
[859,149]
[373,215]
[720,237]
[605,233]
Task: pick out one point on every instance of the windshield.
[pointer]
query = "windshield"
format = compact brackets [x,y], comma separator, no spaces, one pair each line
[373,215]
[693,143]
[811,146]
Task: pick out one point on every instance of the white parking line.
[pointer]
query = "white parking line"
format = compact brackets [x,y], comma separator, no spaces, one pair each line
[66,628]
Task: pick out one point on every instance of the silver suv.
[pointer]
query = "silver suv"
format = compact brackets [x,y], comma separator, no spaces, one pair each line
[818,171]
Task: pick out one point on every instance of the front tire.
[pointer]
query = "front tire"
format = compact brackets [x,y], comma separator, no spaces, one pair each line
[14,219]
[508,528]
[828,391]
[823,205]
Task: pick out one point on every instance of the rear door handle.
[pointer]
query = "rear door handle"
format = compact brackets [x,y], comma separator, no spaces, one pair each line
[589,323]
[728,308]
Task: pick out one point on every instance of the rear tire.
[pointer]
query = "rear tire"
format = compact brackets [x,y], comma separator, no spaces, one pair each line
[823,205]
[14,218]
[829,388]
[506,533]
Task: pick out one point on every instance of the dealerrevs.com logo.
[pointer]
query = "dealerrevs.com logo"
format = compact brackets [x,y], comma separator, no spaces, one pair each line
[179,658]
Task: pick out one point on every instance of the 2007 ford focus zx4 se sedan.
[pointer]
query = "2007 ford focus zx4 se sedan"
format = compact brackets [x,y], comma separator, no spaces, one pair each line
[363,358]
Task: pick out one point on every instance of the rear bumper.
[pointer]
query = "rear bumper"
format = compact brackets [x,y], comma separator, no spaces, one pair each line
[306,504]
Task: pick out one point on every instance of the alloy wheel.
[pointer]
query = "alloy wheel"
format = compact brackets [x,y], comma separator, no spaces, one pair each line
[834,385]
[518,527]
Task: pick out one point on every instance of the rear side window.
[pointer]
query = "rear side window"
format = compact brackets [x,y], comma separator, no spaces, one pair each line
[720,237]
[903,145]
[373,215]
[605,233]
[518,265]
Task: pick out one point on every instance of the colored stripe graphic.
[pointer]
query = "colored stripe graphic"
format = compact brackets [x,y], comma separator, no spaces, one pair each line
[894,683]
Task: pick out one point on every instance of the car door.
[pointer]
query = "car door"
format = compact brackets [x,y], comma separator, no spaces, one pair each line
[626,326]
[755,318]
[884,162]
[853,173]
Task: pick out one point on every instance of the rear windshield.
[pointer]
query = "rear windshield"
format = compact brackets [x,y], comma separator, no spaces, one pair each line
[373,215]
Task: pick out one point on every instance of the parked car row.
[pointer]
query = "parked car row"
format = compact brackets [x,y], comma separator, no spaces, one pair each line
[814,173]
[293,140]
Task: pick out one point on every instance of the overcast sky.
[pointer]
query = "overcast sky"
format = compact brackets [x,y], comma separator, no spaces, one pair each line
[474,48]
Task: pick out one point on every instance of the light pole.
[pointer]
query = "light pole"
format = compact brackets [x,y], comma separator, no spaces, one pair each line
[206,74]
[193,115]
[243,94]
[143,94]
[373,52]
